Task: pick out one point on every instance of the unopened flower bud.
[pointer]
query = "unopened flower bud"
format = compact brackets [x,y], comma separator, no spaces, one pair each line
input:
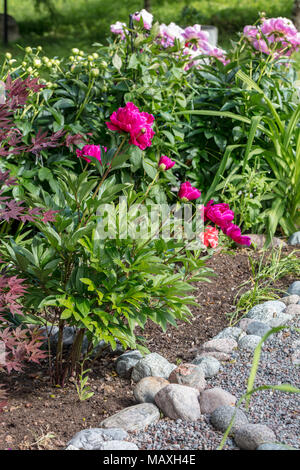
[28,50]
[8,55]
[75,50]
[95,72]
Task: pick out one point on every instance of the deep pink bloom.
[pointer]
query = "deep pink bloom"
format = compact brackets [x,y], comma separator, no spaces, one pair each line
[219,214]
[234,232]
[165,163]
[90,151]
[187,192]
[210,236]
[138,124]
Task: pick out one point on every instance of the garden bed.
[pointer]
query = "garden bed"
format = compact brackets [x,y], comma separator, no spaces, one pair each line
[40,416]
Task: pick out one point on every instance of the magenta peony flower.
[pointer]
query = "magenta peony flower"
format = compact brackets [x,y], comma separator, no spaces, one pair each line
[219,214]
[234,232]
[187,192]
[210,236]
[146,17]
[90,151]
[165,163]
[138,124]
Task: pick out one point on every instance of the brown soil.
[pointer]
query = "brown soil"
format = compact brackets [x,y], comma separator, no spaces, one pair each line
[40,416]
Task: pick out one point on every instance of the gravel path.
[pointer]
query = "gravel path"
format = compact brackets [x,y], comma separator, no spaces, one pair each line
[279,411]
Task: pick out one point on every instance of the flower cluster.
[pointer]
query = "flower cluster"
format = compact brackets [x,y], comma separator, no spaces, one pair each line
[194,41]
[138,124]
[222,216]
[274,36]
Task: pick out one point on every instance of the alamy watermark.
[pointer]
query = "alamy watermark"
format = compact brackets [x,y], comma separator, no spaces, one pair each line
[149,222]
[2,93]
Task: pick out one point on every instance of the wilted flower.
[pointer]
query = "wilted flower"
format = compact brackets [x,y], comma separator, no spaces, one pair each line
[138,124]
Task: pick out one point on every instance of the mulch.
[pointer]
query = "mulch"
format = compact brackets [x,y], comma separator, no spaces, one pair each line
[41,416]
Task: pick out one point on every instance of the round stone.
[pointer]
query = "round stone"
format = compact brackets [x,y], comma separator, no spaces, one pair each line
[281,319]
[147,388]
[249,342]
[93,438]
[222,416]
[119,445]
[230,332]
[133,418]
[292,310]
[213,398]
[266,311]
[274,446]
[294,288]
[179,402]
[257,328]
[189,375]
[126,362]
[250,436]
[290,299]
[223,345]
[152,365]
[209,365]
[244,323]
[294,239]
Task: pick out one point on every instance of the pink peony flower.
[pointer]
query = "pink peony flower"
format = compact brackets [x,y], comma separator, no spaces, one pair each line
[210,236]
[187,192]
[146,17]
[90,151]
[168,34]
[219,214]
[194,36]
[234,232]
[119,28]
[165,163]
[138,124]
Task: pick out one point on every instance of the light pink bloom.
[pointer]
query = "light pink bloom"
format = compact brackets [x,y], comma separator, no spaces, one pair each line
[146,17]
[168,34]
[165,163]
[119,28]
[90,151]
[138,124]
[187,192]
[195,35]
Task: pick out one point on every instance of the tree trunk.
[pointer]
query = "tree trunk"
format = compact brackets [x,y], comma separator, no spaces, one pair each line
[296,14]
[147,5]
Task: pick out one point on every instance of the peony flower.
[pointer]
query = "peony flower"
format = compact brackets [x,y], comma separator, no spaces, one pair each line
[90,151]
[119,28]
[165,163]
[138,124]
[234,232]
[146,17]
[188,193]
[210,236]
[168,34]
[219,214]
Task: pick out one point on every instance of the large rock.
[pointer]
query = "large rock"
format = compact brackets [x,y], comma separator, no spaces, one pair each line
[290,299]
[294,288]
[250,436]
[13,28]
[222,416]
[260,240]
[249,342]
[152,365]
[274,446]
[119,445]
[126,362]
[223,345]
[209,365]
[213,398]
[230,332]
[189,375]
[292,310]
[220,356]
[93,438]
[266,311]
[179,402]
[148,387]
[257,328]
[279,320]
[294,239]
[133,418]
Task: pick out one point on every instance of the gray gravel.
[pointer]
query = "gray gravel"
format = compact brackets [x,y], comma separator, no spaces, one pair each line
[277,410]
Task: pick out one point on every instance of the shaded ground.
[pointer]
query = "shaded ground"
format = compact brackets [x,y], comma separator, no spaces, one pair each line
[40,416]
